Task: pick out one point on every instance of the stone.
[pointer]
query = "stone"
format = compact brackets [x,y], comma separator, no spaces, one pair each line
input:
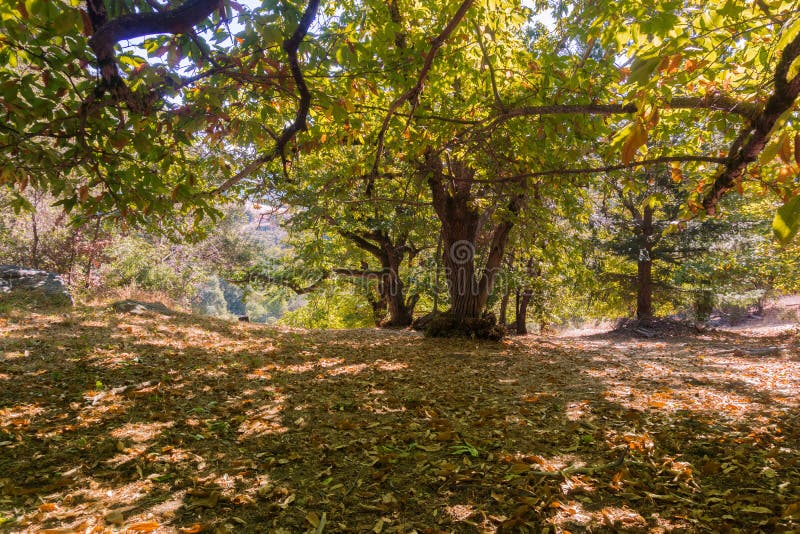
[138,307]
[16,278]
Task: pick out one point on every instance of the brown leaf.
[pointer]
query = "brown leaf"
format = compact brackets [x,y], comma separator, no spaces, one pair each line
[88,29]
[114,517]
[208,502]
[785,151]
[797,148]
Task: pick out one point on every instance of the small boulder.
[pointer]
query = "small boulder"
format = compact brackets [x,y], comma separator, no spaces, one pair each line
[138,307]
[51,285]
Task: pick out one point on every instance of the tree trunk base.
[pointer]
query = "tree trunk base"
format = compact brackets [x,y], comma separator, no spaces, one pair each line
[445,325]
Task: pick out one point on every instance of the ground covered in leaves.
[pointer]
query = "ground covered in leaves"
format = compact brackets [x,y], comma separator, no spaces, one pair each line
[152,423]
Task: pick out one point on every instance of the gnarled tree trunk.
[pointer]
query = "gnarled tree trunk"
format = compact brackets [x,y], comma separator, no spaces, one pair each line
[390,285]
[469,287]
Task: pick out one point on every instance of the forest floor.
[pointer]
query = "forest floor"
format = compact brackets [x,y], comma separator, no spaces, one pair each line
[152,423]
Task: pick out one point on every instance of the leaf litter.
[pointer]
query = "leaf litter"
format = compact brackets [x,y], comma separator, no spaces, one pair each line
[147,423]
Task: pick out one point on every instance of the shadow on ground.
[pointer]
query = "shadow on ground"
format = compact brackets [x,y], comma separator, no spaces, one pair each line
[174,422]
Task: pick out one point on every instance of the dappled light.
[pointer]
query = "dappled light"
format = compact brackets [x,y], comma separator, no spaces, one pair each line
[399,266]
[393,429]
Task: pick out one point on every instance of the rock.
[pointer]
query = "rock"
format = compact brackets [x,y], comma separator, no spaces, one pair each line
[139,307]
[14,278]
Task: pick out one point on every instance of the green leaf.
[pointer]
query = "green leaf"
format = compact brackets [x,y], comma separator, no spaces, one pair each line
[787,221]
[788,33]
[642,69]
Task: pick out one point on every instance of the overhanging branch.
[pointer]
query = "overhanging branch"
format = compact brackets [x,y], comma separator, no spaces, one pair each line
[413,94]
[752,139]
[131,26]
[290,46]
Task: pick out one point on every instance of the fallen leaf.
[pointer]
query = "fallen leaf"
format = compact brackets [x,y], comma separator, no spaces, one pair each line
[144,526]
[208,502]
[114,517]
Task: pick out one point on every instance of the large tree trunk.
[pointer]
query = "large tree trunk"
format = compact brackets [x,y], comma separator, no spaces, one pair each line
[644,290]
[469,287]
[390,286]
[644,276]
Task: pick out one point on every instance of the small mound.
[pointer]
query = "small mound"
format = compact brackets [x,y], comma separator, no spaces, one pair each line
[485,327]
[657,327]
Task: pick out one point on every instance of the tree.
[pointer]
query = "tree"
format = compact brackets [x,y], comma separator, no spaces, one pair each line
[127,142]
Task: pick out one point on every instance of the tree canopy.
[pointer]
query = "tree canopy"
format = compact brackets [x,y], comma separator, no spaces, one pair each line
[400,125]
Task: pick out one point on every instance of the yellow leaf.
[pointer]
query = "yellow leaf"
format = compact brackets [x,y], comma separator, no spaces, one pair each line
[677,175]
[312,518]
[192,529]
[636,139]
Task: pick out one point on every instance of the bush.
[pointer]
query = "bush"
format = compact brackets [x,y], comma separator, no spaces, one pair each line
[703,305]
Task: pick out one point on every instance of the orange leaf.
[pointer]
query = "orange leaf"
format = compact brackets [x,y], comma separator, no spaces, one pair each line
[193,529]
[144,526]
[635,140]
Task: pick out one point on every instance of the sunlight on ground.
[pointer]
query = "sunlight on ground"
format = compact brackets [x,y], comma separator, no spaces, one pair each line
[141,420]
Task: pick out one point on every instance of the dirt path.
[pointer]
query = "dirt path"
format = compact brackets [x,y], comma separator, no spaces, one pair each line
[176,424]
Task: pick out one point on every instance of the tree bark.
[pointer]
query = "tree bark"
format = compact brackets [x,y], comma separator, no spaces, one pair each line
[453,201]
[35,242]
[524,300]
[503,320]
[644,278]
[390,286]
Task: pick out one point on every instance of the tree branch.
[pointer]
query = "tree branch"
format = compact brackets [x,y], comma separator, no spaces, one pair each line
[413,93]
[299,124]
[607,168]
[359,273]
[108,33]
[752,140]
[716,101]
[361,242]
[291,284]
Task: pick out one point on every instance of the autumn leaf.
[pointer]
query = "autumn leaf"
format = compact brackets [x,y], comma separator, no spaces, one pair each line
[192,529]
[144,526]
[636,139]
[785,152]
